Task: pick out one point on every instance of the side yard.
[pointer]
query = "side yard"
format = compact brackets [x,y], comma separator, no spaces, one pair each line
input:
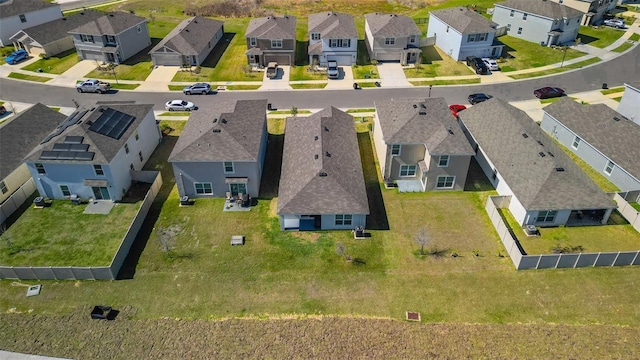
[520,54]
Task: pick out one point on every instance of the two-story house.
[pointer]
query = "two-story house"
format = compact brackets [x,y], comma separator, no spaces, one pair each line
[189,43]
[541,185]
[392,37]
[600,136]
[271,38]
[630,103]
[461,32]
[332,37]
[52,38]
[16,15]
[541,21]
[593,10]
[420,146]
[94,151]
[111,38]
[322,182]
[222,151]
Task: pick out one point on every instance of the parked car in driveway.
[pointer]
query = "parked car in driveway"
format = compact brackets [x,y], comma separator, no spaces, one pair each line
[478,98]
[332,70]
[477,65]
[180,105]
[3,110]
[197,88]
[491,64]
[548,92]
[16,56]
[615,22]
[456,108]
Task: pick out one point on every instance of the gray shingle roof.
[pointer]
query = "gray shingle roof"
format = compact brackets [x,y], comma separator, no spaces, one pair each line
[59,29]
[498,129]
[465,21]
[23,133]
[634,84]
[595,124]
[330,134]
[332,25]
[17,7]
[104,147]
[241,124]
[402,123]
[112,23]
[391,25]
[191,36]
[544,8]
[272,27]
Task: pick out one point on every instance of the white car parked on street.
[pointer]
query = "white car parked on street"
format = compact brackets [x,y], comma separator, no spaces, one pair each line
[180,105]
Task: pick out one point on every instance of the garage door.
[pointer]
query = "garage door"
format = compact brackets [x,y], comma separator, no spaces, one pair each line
[281,59]
[343,60]
[387,57]
[92,55]
[167,59]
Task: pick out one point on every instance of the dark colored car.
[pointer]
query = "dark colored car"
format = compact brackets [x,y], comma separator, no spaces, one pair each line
[478,98]
[548,92]
[456,108]
[477,65]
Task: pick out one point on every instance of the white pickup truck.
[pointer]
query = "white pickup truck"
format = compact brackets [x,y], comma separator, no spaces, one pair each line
[94,86]
[272,70]
[332,70]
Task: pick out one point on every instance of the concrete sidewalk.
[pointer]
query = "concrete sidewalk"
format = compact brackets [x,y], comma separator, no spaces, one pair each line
[6,355]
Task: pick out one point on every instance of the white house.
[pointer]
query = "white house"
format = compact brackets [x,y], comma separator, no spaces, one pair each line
[16,15]
[630,103]
[461,32]
[332,37]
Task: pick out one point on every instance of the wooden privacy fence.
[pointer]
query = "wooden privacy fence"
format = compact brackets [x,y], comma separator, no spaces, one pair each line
[555,261]
[94,272]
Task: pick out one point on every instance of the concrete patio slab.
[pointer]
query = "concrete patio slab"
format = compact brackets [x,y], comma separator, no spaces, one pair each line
[102,207]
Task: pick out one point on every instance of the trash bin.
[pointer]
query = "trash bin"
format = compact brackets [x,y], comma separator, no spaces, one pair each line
[377,84]
[355,86]
[605,86]
[269,106]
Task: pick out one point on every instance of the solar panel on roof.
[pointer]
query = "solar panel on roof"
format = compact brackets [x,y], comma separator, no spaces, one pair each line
[66,155]
[73,139]
[112,123]
[84,156]
[79,147]
[61,147]
[49,155]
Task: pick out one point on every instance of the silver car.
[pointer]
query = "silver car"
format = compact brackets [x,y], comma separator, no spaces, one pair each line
[491,64]
[180,105]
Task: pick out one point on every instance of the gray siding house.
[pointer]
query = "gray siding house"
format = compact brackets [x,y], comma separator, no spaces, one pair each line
[543,185]
[461,32]
[332,37]
[271,38]
[392,37]
[222,151]
[18,137]
[52,38]
[112,38]
[600,136]
[94,151]
[322,182]
[189,43]
[420,146]
[630,103]
[593,10]
[16,15]
[540,21]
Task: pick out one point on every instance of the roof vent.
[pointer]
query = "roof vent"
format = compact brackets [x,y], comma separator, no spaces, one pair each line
[215,120]
[550,154]
[450,131]
[186,30]
[111,15]
[559,169]
[615,118]
[415,106]
[326,128]
[315,156]
[540,142]
[422,106]
[224,121]
[101,109]
[216,130]
[328,154]
[422,112]
[322,173]
[315,137]
[542,154]
[524,135]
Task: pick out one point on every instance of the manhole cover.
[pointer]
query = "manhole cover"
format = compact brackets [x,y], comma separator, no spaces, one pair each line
[413,316]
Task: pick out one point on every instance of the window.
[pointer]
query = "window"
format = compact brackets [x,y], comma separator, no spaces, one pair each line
[253,41]
[576,142]
[524,17]
[65,190]
[110,39]
[345,43]
[131,167]
[276,43]
[139,28]
[395,149]
[135,134]
[228,167]
[3,187]
[203,188]
[508,27]
[445,182]
[390,41]
[98,169]
[512,12]
[546,216]
[471,38]
[413,39]
[209,44]
[344,219]
[447,29]
[519,30]
[609,168]
[315,36]
[126,148]
[443,161]
[495,174]
[407,170]
[23,19]
[339,43]
[140,155]
[482,37]
[87,38]
[40,169]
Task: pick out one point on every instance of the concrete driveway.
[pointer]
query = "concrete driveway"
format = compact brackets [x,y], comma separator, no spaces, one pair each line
[77,72]
[391,75]
[345,81]
[280,82]
[158,79]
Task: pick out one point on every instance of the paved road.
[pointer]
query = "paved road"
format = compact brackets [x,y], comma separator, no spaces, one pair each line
[625,68]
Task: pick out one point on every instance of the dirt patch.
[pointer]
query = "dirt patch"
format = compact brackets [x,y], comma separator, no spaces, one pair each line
[306,235]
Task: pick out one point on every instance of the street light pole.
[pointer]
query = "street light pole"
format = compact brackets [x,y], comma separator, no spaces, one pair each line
[430,86]
[564,54]
[113,68]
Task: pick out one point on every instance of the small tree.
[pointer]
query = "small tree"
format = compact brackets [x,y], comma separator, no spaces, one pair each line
[294,111]
[418,63]
[422,239]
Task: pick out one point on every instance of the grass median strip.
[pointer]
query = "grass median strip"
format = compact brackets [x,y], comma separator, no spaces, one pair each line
[175,113]
[124,86]
[555,70]
[243,87]
[308,86]
[21,76]
[612,90]
[445,82]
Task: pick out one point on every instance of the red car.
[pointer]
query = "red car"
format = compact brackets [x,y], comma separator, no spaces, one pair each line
[548,92]
[456,108]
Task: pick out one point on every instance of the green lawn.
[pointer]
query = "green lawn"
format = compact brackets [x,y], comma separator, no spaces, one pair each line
[577,65]
[176,87]
[55,64]
[365,110]
[635,205]
[604,183]
[446,82]
[521,54]
[281,112]
[303,73]
[623,47]
[243,87]
[365,72]
[600,37]
[612,90]
[124,86]
[618,98]
[367,84]
[308,86]
[61,235]
[634,37]
[437,63]
[20,76]
[175,113]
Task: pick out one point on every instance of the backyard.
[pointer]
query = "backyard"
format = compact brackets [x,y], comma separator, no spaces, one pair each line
[520,54]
